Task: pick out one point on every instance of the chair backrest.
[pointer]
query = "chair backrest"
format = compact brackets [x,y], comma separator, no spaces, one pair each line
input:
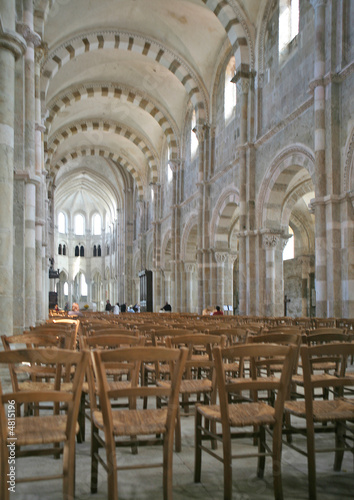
[62,360]
[132,358]
[337,352]
[259,355]
[281,338]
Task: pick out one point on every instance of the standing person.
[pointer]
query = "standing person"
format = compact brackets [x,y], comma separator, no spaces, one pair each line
[123,308]
[108,306]
[218,312]
[115,309]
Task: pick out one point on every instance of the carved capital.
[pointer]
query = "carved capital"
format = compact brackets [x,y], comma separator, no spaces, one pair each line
[189,267]
[232,258]
[175,165]
[221,257]
[317,3]
[243,85]
[28,34]
[270,240]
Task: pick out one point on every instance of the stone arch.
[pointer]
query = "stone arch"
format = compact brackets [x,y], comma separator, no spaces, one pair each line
[348,178]
[287,164]
[105,126]
[189,237]
[105,153]
[165,249]
[124,94]
[238,32]
[121,40]
[222,217]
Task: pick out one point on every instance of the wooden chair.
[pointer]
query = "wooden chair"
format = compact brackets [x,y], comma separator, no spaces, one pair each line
[199,375]
[35,434]
[89,387]
[319,414]
[250,412]
[136,425]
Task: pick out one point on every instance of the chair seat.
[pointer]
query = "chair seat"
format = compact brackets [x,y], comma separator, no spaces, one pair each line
[41,430]
[321,377]
[28,385]
[241,415]
[135,422]
[323,410]
[190,386]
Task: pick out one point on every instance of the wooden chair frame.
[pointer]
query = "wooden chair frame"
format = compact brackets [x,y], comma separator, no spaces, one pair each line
[136,425]
[244,414]
[33,432]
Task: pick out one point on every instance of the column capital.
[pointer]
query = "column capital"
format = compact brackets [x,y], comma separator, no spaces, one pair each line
[270,240]
[189,267]
[221,257]
[12,41]
[28,34]
[243,85]
[175,165]
[317,3]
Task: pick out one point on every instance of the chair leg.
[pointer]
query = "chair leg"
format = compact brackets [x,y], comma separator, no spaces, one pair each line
[167,467]
[81,419]
[197,449]
[178,432]
[227,460]
[112,481]
[261,449]
[4,471]
[69,471]
[311,460]
[277,449]
[340,442]
[94,460]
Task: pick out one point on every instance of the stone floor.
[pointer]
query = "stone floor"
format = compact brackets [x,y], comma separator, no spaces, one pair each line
[147,484]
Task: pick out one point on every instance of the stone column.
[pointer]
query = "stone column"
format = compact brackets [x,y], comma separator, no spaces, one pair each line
[242,86]
[319,148]
[12,46]
[33,40]
[221,260]
[167,289]
[348,256]
[270,241]
[189,268]
[229,275]
[305,261]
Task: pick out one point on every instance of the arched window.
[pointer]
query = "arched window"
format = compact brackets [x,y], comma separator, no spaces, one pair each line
[194,139]
[288,22]
[289,249]
[64,249]
[230,89]
[66,288]
[59,249]
[94,251]
[82,251]
[77,251]
[79,224]
[169,169]
[96,224]
[61,222]
[99,251]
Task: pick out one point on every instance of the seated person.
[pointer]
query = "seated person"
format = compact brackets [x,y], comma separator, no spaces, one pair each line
[166,307]
[218,312]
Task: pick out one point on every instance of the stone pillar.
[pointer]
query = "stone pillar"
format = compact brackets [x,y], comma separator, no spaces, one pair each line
[270,241]
[199,131]
[347,257]
[221,260]
[12,46]
[305,261]
[242,90]
[229,274]
[319,148]
[189,268]
[33,39]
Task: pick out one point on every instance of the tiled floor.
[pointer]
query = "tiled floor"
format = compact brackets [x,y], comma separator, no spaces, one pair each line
[147,484]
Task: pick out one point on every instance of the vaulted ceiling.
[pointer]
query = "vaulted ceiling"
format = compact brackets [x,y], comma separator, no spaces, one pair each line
[118,77]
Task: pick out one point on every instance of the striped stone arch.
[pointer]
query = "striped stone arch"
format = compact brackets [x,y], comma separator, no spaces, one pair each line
[348,177]
[124,94]
[104,153]
[278,176]
[165,243]
[301,190]
[189,226]
[104,126]
[223,218]
[113,39]
[237,31]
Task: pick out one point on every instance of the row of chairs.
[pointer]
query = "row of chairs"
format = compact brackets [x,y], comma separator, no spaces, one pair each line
[107,388]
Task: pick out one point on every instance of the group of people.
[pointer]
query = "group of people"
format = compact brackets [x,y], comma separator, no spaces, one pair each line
[121,308]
